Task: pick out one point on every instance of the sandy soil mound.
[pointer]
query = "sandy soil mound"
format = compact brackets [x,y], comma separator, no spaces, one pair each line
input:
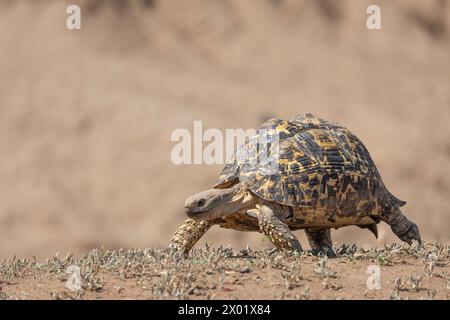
[394,272]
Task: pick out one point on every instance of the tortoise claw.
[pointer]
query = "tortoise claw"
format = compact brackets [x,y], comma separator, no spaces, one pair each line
[412,234]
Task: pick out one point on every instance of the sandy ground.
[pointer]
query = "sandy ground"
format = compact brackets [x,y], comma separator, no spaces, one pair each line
[86,116]
[404,273]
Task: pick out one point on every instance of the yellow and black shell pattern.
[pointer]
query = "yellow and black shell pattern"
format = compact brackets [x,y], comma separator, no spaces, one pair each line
[310,162]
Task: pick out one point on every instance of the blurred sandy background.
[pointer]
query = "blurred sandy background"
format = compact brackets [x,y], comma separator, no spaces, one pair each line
[86,116]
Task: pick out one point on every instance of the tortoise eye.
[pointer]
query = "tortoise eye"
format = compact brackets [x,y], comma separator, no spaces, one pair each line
[200,203]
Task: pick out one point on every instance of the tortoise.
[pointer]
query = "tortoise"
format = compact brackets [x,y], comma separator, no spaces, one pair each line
[324,178]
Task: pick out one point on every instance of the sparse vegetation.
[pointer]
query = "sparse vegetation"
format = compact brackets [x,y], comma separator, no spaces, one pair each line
[212,273]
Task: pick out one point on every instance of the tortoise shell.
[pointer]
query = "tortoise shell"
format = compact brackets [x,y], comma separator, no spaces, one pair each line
[309,162]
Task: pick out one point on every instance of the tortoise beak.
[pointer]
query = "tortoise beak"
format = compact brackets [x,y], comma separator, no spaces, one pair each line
[192,209]
[195,214]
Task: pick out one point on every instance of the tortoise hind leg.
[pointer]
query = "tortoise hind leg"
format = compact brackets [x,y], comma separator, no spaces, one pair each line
[402,227]
[273,226]
[320,241]
[188,234]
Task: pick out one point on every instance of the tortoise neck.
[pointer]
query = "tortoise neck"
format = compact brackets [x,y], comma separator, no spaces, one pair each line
[240,198]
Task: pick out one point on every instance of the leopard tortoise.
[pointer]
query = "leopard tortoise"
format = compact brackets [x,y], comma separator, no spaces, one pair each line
[324,178]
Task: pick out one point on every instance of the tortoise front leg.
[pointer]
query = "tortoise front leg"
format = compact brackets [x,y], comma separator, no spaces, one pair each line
[320,241]
[188,234]
[273,226]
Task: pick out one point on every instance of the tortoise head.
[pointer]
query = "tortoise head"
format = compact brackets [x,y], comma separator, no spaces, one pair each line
[218,203]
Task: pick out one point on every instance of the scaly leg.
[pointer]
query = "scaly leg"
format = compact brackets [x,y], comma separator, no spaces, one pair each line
[188,234]
[276,230]
[320,241]
[402,227]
